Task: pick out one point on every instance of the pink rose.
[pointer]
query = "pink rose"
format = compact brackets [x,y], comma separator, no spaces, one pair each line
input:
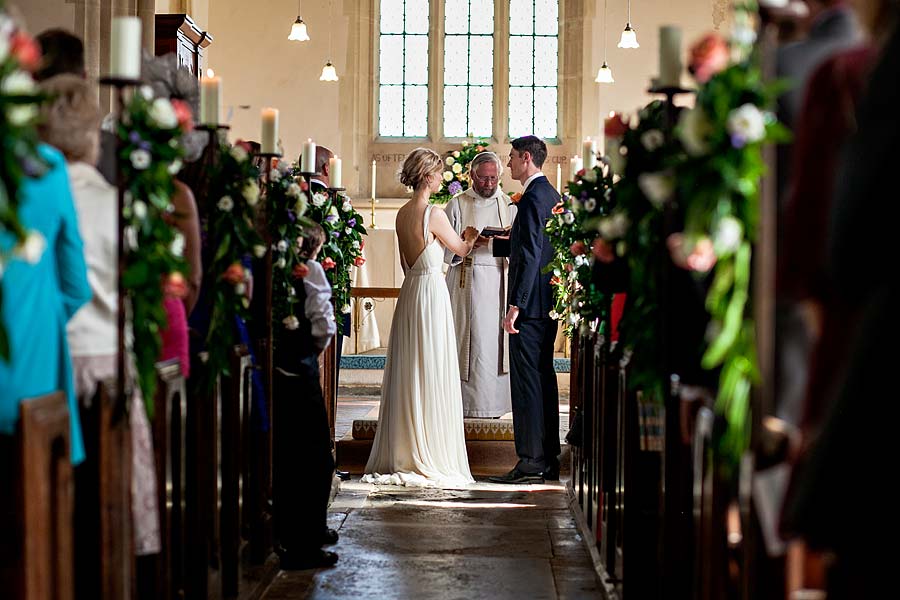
[328,263]
[183,114]
[359,261]
[300,271]
[578,248]
[175,285]
[26,51]
[234,274]
[602,251]
[707,57]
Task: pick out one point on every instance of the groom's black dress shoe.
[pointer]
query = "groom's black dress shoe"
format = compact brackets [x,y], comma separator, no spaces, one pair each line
[309,559]
[551,473]
[517,476]
[330,537]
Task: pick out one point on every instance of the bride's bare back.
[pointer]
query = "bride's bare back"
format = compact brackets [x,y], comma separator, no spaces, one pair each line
[410,227]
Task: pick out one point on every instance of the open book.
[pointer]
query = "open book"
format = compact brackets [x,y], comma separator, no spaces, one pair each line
[495,231]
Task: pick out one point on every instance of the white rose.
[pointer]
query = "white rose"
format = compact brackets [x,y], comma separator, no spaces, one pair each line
[658,187]
[32,248]
[345,309]
[653,139]
[569,218]
[239,289]
[590,204]
[291,322]
[693,130]
[319,199]
[225,203]
[162,114]
[282,246]
[347,206]
[355,245]
[177,247]
[21,114]
[333,211]
[275,175]
[746,125]
[348,230]
[450,160]
[614,226]
[573,318]
[727,236]
[448,176]
[175,166]
[147,92]
[251,193]
[294,190]
[743,35]
[456,153]
[259,250]
[140,159]
[18,83]
[580,260]
[457,168]
[280,263]
[139,209]
[590,175]
[301,206]
[239,154]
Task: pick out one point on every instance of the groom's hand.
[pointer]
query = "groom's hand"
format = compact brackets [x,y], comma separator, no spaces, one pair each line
[509,321]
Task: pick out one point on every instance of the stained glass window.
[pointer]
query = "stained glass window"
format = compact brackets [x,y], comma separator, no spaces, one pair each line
[468,68]
[403,68]
[533,67]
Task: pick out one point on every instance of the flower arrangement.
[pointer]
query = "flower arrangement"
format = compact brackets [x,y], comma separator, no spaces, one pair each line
[572,229]
[343,245]
[19,99]
[150,155]
[229,229]
[456,170]
[287,204]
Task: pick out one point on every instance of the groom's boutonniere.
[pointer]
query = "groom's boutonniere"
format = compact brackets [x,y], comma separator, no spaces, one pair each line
[516,197]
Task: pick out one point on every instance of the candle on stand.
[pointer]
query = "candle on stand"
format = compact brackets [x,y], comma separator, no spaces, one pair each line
[210,99]
[590,153]
[559,178]
[373,179]
[669,56]
[309,156]
[574,167]
[269,137]
[125,48]
[334,172]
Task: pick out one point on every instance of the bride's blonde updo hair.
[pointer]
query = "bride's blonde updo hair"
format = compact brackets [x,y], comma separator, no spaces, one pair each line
[419,164]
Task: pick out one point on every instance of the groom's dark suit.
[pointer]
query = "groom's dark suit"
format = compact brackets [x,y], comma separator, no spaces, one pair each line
[535,398]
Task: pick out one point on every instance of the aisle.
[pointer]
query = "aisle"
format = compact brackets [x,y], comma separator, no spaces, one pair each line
[489,541]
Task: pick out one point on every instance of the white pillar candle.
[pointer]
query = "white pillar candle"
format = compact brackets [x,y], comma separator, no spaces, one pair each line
[309,157]
[210,99]
[558,177]
[590,153]
[574,167]
[669,56]
[125,48]
[269,137]
[334,171]
[373,179]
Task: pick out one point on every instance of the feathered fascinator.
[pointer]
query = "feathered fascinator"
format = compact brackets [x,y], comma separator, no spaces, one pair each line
[170,80]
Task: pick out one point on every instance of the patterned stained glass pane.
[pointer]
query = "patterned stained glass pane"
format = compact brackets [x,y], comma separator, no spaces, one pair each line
[521,17]
[415,111]
[416,59]
[391,59]
[416,16]
[545,112]
[521,55]
[456,59]
[455,104]
[391,16]
[390,110]
[481,16]
[481,60]
[545,61]
[481,111]
[521,112]
[546,17]
[456,16]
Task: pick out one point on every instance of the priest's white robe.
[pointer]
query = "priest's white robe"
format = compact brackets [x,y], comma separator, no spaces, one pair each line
[477,287]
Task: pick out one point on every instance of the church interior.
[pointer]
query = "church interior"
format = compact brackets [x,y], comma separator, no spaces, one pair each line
[176,419]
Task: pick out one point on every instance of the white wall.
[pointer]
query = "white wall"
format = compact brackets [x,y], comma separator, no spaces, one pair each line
[44,14]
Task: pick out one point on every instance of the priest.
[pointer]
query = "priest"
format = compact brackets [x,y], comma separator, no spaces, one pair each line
[477,286]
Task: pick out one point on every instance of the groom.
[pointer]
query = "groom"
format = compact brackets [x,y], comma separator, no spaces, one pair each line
[535,399]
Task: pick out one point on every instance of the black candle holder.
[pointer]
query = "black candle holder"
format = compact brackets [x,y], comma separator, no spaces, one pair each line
[337,189]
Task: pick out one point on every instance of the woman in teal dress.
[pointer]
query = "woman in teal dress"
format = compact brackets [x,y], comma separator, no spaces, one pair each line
[40,297]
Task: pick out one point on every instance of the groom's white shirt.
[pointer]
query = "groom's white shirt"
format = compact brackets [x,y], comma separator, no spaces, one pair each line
[530,179]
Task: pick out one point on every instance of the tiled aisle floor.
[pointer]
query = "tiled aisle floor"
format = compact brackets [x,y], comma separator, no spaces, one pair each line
[487,541]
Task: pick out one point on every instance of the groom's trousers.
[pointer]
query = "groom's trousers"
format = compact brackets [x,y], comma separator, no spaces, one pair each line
[535,396]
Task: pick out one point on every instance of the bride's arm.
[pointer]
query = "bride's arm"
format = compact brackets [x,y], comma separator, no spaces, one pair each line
[440,226]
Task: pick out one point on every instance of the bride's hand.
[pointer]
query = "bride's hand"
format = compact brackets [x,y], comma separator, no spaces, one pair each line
[470,235]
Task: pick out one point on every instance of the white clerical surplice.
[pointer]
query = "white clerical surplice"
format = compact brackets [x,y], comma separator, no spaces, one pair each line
[478,295]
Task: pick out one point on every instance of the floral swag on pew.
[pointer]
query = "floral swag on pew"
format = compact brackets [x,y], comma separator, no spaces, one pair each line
[19,100]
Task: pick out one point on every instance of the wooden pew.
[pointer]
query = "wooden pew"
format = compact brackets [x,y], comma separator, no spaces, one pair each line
[36,546]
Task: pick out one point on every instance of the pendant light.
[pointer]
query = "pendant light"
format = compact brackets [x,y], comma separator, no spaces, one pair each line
[604,75]
[329,73]
[298,29]
[629,36]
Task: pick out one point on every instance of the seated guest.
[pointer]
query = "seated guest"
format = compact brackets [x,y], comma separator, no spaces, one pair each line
[301,499]
[70,122]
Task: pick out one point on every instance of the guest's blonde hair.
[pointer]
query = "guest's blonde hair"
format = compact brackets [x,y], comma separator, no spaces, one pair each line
[70,118]
[419,164]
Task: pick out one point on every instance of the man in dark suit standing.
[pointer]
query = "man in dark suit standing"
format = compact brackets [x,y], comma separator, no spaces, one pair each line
[535,397]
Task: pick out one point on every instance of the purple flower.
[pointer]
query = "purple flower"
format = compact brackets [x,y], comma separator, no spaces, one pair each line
[291,216]
[331,218]
[351,223]
[336,234]
[144,145]
[738,141]
[134,137]
[454,188]
[584,194]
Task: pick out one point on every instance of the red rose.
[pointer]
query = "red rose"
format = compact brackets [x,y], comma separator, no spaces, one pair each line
[304,186]
[234,274]
[328,263]
[558,209]
[183,114]
[300,271]
[175,285]
[708,56]
[578,248]
[614,126]
[359,261]
[580,173]
[26,51]
[602,251]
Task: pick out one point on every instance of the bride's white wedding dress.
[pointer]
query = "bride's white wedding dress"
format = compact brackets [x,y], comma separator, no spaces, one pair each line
[420,439]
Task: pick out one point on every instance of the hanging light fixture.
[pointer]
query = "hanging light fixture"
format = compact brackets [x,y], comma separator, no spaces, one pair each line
[604,75]
[629,36]
[329,73]
[298,29]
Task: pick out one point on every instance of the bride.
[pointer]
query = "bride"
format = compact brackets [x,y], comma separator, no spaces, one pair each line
[420,439]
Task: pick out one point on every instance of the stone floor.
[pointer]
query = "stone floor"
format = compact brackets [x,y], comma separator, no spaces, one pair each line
[486,541]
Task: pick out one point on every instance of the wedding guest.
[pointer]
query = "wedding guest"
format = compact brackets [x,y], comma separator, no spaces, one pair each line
[301,498]
[69,121]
